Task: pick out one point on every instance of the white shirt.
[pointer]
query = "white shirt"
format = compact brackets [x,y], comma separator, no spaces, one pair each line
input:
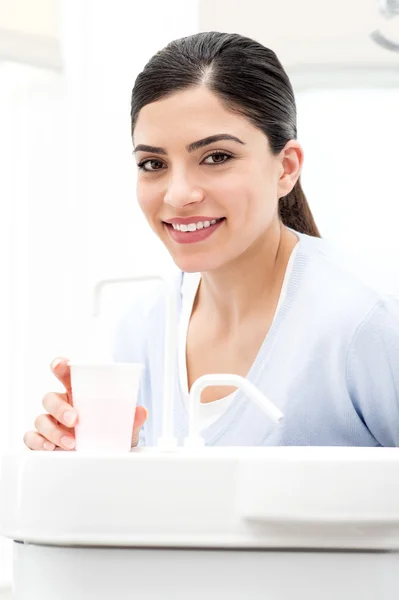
[209,411]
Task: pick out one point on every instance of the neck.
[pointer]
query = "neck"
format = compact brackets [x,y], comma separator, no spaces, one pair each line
[250,283]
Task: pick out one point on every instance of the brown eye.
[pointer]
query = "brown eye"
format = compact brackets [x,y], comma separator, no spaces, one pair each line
[218,158]
[151,164]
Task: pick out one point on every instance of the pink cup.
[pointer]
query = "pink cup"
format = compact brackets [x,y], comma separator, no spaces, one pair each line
[105,399]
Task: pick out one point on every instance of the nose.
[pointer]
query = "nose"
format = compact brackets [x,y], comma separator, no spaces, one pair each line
[180,192]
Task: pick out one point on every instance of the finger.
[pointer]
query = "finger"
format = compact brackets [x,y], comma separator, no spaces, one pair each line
[139,420]
[34,441]
[61,370]
[50,429]
[58,406]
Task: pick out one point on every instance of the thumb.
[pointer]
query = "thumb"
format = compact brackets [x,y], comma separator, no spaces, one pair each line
[139,420]
[60,368]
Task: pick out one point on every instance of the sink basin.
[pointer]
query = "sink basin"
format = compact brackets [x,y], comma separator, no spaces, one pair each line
[321,508]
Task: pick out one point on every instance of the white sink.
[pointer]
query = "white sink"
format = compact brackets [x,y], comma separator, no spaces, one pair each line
[254,519]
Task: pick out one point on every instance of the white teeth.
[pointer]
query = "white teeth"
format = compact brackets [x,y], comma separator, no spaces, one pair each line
[194,226]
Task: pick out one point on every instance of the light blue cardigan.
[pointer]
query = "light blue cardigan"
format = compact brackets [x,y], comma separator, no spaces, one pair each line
[330,362]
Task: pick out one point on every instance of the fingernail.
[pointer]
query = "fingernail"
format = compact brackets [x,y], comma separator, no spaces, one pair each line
[68,442]
[69,417]
[55,363]
[48,446]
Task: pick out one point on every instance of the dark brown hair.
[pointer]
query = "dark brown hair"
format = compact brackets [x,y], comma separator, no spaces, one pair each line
[248,78]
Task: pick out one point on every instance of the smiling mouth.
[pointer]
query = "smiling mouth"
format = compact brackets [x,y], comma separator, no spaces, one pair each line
[196,231]
[195,225]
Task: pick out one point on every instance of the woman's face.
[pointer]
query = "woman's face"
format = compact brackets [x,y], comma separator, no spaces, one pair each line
[208,183]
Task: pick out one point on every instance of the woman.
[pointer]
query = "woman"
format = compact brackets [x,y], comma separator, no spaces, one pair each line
[214,132]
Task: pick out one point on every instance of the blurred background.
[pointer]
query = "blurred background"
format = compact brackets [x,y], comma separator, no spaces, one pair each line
[69,216]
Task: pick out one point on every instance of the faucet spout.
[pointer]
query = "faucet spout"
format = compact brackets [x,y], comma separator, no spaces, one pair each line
[194,438]
[167,441]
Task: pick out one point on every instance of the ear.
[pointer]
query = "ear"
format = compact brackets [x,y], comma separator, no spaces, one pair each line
[291,160]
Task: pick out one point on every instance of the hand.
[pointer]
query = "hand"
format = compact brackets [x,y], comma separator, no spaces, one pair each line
[57,428]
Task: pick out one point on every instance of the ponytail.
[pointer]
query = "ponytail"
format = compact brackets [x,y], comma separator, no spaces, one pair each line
[295,213]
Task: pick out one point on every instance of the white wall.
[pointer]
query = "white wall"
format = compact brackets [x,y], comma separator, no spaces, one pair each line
[351,175]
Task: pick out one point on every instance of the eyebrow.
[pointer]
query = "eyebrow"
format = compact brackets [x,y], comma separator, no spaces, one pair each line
[211,139]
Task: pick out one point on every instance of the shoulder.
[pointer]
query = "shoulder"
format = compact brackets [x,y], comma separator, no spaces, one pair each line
[331,284]
[379,328]
[373,353]
[368,319]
